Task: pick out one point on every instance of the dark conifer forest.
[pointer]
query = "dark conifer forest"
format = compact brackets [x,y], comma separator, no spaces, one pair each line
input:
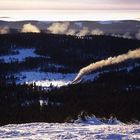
[116,91]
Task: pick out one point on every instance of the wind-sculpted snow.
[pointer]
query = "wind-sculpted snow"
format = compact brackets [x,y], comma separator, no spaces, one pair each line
[69,131]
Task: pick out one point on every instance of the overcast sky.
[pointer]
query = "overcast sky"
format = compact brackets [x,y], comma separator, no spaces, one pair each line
[70,4]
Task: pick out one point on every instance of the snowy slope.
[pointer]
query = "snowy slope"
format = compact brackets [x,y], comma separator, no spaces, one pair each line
[23,53]
[45,79]
[69,131]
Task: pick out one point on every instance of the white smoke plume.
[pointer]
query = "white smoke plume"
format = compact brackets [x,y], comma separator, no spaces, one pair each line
[29,28]
[4,30]
[97,32]
[138,35]
[111,60]
[59,28]
[83,32]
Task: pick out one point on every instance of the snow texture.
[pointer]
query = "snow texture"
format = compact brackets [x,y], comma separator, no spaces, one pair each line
[23,53]
[92,130]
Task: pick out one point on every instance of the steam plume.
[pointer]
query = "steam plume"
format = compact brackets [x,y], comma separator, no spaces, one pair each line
[63,28]
[125,35]
[97,32]
[107,62]
[71,32]
[57,28]
[4,30]
[83,32]
[29,28]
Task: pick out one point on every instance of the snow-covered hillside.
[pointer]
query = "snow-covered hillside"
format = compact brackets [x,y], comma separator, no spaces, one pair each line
[90,130]
[21,56]
[45,79]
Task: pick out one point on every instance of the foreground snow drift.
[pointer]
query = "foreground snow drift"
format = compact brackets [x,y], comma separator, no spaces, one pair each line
[72,131]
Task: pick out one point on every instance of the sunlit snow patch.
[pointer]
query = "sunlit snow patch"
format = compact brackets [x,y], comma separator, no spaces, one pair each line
[23,53]
[45,79]
[47,83]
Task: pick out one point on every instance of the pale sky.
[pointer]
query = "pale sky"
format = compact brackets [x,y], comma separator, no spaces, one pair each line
[69,4]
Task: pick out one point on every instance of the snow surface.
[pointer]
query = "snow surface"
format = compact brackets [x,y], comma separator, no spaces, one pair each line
[57,66]
[23,53]
[92,129]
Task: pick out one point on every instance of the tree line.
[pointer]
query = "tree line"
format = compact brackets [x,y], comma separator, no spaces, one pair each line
[112,94]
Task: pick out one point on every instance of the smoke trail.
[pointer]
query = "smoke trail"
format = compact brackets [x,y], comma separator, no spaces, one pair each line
[4,30]
[107,62]
[29,28]
[57,28]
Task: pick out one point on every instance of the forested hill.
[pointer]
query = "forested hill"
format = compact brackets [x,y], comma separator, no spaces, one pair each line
[112,92]
[68,50]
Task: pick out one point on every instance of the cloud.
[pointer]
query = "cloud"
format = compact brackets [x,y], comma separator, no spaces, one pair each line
[66,4]
[59,28]
[4,30]
[97,32]
[29,28]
